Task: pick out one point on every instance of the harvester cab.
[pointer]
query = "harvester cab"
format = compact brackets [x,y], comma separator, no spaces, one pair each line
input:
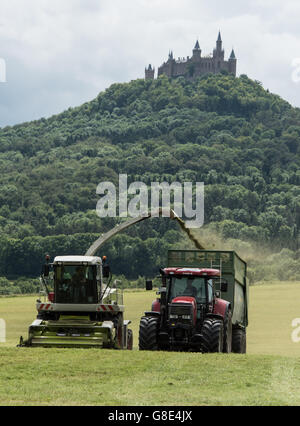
[76,280]
[80,308]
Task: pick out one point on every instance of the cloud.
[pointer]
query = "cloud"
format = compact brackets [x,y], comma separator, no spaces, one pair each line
[63,53]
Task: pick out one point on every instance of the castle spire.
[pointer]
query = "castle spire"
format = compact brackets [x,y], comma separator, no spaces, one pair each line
[232,55]
[219,51]
[232,62]
[219,41]
[197,52]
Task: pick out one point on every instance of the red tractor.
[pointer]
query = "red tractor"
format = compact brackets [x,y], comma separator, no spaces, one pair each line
[189,315]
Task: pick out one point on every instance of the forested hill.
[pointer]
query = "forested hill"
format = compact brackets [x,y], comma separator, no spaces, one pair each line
[230,133]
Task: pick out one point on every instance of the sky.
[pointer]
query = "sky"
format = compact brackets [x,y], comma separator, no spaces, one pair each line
[60,53]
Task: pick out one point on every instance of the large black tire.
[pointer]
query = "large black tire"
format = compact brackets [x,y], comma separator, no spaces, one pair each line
[148,334]
[213,336]
[239,341]
[227,347]
[129,340]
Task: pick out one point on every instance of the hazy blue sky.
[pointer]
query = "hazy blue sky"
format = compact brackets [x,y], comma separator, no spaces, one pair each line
[61,53]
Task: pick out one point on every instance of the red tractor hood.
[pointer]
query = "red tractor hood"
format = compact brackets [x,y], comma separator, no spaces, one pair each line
[189,300]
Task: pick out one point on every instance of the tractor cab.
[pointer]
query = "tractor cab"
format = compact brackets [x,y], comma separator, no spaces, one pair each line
[189,294]
[197,283]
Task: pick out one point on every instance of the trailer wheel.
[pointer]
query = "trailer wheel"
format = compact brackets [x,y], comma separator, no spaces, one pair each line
[129,340]
[239,341]
[227,347]
[212,336]
[148,334]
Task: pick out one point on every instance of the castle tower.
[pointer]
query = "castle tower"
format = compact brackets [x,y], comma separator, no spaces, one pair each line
[219,42]
[232,63]
[149,73]
[218,55]
[219,52]
[197,52]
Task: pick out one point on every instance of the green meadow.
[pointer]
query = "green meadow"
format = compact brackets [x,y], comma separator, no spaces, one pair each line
[268,375]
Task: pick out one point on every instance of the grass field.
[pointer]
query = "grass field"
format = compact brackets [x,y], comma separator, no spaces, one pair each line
[268,375]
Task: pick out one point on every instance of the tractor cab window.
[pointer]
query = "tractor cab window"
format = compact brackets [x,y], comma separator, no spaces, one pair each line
[188,286]
[75,284]
[210,291]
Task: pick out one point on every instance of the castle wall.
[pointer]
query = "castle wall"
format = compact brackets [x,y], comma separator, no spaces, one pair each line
[204,66]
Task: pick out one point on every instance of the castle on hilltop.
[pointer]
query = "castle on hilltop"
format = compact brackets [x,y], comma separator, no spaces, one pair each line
[192,67]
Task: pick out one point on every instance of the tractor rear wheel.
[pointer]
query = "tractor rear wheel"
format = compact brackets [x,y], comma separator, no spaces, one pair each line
[213,336]
[227,347]
[239,341]
[148,334]
[129,340]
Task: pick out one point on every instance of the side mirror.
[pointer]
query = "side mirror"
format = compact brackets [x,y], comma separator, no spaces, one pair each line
[218,294]
[106,271]
[149,285]
[224,286]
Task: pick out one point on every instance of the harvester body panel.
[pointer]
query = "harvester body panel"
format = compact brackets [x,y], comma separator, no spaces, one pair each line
[60,307]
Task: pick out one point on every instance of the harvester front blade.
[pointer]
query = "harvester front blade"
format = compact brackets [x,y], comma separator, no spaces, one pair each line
[71,333]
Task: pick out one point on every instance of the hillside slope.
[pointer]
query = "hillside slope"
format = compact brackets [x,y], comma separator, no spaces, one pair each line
[230,133]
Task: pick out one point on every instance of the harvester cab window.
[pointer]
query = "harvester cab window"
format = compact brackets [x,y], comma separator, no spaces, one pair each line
[188,286]
[76,284]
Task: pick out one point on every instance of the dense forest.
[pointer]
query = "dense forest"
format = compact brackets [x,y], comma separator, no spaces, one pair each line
[230,133]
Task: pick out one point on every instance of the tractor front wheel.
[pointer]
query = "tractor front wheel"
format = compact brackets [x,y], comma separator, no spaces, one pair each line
[148,334]
[212,336]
